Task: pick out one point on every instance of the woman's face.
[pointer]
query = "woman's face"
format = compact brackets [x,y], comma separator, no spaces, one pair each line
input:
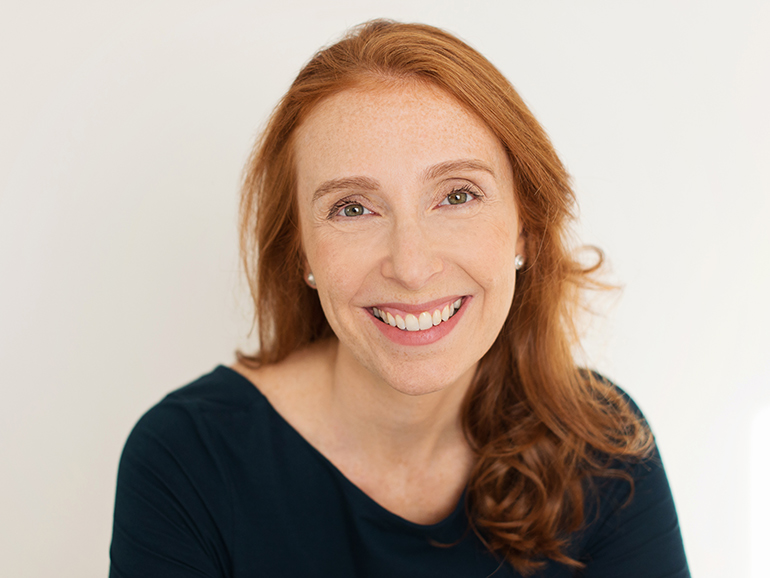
[409,225]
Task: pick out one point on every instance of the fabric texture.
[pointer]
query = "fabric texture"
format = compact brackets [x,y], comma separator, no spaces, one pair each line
[213,482]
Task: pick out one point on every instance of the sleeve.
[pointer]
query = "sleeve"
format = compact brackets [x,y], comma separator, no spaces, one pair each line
[170,507]
[639,538]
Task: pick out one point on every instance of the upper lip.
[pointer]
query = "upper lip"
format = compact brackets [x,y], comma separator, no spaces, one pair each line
[419,307]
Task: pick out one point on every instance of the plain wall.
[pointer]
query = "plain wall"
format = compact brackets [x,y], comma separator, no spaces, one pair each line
[124,127]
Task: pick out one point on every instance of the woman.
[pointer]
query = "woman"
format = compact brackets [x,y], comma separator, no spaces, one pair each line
[414,408]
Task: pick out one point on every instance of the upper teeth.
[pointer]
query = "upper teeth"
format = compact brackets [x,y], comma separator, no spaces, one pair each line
[421,322]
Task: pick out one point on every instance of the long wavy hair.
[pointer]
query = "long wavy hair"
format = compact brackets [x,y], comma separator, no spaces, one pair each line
[540,426]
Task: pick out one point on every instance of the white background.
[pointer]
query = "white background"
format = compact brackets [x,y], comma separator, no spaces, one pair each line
[123,130]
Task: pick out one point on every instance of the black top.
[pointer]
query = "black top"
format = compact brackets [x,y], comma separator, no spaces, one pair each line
[213,482]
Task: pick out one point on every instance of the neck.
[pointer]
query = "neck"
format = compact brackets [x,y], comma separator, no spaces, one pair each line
[371,414]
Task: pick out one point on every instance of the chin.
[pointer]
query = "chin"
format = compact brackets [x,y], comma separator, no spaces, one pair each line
[423,382]
[417,389]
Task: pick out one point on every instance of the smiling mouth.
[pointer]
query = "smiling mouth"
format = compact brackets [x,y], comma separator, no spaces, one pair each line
[420,322]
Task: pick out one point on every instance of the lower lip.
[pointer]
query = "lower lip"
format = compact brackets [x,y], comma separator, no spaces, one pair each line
[426,337]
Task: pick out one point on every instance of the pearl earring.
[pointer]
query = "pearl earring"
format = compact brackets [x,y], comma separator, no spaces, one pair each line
[518,262]
[311,280]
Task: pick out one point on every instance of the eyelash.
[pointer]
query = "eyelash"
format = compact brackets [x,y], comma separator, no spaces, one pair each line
[342,203]
[467,189]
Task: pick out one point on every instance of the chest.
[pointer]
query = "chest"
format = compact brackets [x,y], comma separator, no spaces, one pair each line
[296,514]
[420,493]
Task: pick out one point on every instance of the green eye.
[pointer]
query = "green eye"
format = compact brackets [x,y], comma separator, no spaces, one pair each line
[457,198]
[353,210]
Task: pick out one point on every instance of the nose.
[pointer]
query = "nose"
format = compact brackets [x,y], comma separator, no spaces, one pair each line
[414,254]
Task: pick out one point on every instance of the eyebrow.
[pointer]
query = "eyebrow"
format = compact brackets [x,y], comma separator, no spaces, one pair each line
[431,173]
[442,169]
[356,183]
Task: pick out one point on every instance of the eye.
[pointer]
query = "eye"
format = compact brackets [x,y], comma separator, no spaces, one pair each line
[459,197]
[351,210]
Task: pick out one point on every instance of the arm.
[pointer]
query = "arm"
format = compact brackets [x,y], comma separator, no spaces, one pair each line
[170,506]
[641,538]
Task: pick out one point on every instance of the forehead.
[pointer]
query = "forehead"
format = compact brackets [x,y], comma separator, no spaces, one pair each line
[408,126]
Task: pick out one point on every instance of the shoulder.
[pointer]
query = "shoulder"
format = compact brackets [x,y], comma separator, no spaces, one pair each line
[208,402]
[221,390]
[184,437]
[633,525]
[630,513]
[621,426]
[299,388]
[173,501]
[196,433]
[635,461]
[603,385]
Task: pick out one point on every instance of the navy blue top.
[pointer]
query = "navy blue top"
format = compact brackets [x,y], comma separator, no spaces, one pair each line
[213,482]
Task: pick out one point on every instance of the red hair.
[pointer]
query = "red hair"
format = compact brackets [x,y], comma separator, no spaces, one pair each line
[540,426]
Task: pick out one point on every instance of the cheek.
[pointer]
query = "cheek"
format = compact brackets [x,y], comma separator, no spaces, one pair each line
[339,268]
[489,250]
